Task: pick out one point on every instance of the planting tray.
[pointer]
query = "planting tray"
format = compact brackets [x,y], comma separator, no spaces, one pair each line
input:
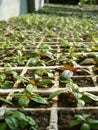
[53,115]
[49,62]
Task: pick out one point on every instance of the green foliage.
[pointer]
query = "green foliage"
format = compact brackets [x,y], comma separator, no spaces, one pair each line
[54,94]
[81,97]
[30,95]
[5,101]
[85,122]
[8,76]
[14,120]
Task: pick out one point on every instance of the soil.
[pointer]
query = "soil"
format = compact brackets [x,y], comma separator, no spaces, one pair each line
[65,101]
[42,118]
[80,81]
[66,116]
[95,70]
[83,81]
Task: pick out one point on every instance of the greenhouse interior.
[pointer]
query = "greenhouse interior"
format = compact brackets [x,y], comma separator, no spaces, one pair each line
[49,65]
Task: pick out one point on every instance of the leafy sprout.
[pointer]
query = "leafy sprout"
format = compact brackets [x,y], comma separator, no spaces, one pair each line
[7,77]
[29,95]
[42,78]
[14,120]
[81,96]
[85,122]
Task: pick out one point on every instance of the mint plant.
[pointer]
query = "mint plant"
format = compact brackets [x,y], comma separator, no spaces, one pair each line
[85,122]
[16,120]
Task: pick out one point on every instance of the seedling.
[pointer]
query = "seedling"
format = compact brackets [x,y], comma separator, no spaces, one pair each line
[43,78]
[36,61]
[41,55]
[7,78]
[85,122]
[75,94]
[29,95]
[16,120]
[80,96]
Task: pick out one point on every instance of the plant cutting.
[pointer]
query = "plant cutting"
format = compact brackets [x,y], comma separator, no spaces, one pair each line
[36,61]
[85,122]
[16,56]
[41,56]
[75,96]
[8,77]
[16,120]
[43,78]
[29,95]
[80,96]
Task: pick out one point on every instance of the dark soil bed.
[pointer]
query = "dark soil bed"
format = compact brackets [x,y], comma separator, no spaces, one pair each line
[83,81]
[42,118]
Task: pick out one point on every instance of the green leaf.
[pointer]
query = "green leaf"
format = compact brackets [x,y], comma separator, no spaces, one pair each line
[67,74]
[19,77]
[77,95]
[23,101]
[49,54]
[21,119]
[12,123]
[93,97]
[39,72]
[88,61]
[6,101]
[85,126]
[19,115]
[94,126]
[39,99]
[85,115]
[2,77]
[51,75]
[93,121]
[22,124]
[54,94]
[6,85]
[8,112]
[3,126]
[19,53]
[45,82]
[34,128]
[30,88]
[75,123]
[30,121]
[33,61]
[86,99]
[80,103]
[80,117]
